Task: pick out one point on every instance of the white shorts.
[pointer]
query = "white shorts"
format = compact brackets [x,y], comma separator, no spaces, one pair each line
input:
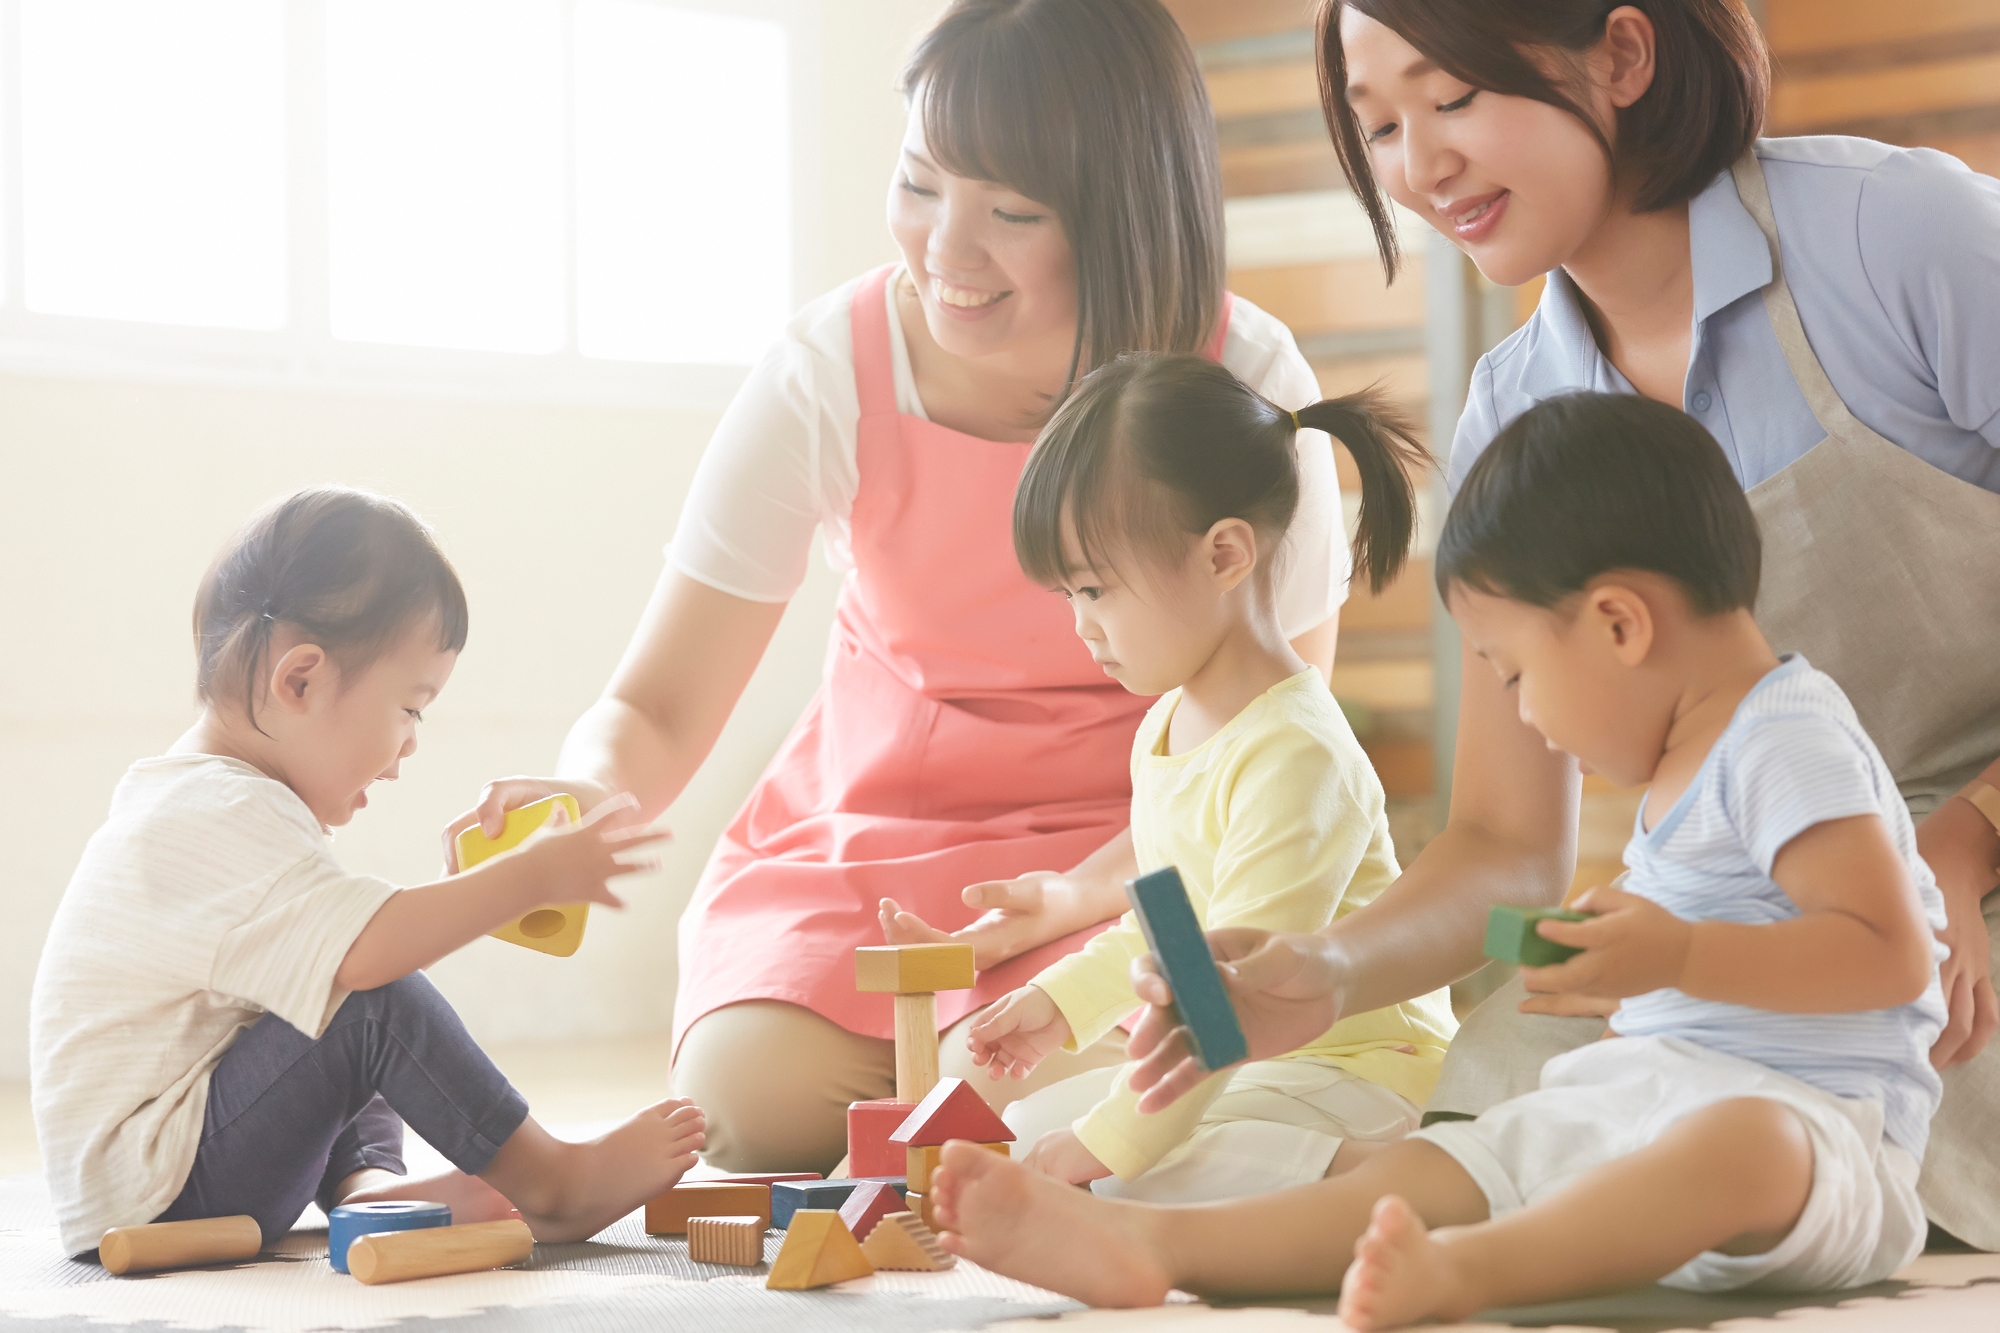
[1611,1098]
[1278,1124]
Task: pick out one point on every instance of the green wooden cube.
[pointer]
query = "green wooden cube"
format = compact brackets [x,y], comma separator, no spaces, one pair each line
[1511,937]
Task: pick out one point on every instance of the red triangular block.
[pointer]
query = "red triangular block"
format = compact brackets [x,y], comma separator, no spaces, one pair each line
[871,1201]
[952,1111]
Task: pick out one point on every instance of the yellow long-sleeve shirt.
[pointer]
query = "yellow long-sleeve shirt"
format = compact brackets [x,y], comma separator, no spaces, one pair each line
[1277,822]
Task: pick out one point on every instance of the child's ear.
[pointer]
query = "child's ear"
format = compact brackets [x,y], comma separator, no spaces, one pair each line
[1230,552]
[1625,619]
[299,675]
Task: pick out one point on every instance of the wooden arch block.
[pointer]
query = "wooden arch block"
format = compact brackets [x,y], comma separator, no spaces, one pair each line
[818,1251]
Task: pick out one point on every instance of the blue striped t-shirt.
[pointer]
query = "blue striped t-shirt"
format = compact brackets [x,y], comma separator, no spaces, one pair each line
[1793,756]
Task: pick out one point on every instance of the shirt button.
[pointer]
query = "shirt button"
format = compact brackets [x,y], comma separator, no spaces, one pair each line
[1701,402]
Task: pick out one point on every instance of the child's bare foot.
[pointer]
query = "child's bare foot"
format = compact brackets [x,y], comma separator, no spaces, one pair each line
[1400,1275]
[571,1191]
[469,1198]
[1004,1217]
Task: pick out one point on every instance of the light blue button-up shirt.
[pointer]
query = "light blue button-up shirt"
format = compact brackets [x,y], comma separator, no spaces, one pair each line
[1893,256]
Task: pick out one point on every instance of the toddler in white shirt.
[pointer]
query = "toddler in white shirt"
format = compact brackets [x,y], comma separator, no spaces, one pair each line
[225,1021]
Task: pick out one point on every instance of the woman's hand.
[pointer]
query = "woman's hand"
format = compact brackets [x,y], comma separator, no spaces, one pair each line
[1284,991]
[1962,849]
[1060,1155]
[1016,915]
[1016,1032]
[498,797]
[1631,945]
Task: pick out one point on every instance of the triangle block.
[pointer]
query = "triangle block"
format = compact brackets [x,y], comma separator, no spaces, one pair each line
[818,1251]
[871,1201]
[903,1243]
[951,1111]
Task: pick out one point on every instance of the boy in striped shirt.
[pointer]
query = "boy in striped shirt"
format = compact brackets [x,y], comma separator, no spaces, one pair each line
[1770,964]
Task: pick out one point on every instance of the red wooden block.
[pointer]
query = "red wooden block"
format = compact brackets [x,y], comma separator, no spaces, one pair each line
[869,1125]
[952,1111]
[871,1202]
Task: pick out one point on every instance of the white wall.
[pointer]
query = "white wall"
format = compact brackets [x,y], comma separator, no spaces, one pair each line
[114,496]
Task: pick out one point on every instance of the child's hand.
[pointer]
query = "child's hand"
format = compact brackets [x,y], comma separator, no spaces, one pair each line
[1631,945]
[1017,915]
[1060,1155]
[572,863]
[505,794]
[1285,992]
[1016,1032]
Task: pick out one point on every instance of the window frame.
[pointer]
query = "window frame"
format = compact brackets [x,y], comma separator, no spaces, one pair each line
[304,354]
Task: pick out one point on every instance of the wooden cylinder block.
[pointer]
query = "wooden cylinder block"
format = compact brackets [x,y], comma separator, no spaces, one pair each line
[726,1240]
[916,1046]
[398,1256]
[210,1240]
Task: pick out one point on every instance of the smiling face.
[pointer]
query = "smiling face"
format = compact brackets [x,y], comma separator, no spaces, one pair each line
[1577,673]
[333,736]
[1519,185]
[993,268]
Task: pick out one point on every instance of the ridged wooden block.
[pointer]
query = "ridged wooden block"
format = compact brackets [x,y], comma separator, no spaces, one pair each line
[902,1242]
[726,1240]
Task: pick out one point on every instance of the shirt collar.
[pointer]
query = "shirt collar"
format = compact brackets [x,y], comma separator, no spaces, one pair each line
[1731,257]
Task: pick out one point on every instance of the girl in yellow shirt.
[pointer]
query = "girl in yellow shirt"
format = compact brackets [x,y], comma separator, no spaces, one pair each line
[1157,501]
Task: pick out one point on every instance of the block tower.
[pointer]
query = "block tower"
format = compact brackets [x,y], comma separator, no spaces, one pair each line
[914,974]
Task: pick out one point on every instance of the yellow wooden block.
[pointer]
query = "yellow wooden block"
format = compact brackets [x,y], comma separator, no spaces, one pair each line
[903,1242]
[818,1251]
[920,1162]
[913,969]
[550,930]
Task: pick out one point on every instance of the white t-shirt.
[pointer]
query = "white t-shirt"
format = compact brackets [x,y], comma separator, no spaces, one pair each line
[209,897]
[782,461]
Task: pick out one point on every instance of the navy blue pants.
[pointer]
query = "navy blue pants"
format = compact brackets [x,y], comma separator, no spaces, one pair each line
[289,1118]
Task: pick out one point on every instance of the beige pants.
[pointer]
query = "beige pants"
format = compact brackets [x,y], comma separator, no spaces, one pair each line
[776,1080]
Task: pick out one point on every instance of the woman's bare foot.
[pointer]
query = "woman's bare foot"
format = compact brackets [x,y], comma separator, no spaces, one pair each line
[1400,1274]
[1002,1216]
[571,1191]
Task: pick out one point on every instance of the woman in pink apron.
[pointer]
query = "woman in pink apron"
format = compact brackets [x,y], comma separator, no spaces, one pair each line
[1058,201]
[1824,307]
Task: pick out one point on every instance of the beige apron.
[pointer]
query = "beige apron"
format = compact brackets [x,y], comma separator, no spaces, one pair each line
[1884,571]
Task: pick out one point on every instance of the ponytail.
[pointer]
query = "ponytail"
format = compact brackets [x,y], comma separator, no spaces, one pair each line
[1385,449]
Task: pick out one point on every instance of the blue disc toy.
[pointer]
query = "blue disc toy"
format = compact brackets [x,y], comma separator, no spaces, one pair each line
[351,1221]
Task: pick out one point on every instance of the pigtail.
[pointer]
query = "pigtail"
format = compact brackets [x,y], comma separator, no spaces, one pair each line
[1385,450]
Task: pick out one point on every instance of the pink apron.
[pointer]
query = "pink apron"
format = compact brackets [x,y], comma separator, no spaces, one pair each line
[962,733]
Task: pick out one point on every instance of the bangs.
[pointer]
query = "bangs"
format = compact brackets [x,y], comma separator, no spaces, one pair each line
[971,93]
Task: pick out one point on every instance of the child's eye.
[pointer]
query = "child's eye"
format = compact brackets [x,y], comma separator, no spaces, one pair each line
[1512,681]
[1092,593]
[1461,103]
[416,713]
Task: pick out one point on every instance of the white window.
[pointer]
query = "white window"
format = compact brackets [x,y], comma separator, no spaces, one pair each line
[592,198]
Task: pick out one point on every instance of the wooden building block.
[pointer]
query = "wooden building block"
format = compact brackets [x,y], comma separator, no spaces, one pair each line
[399,1256]
[869,1125]
[902,1242]
[668,1214]
[952,1110]
[1174,935]
[909,969]
[726,1240]
[158,1245]
[916,1046]
[550,930]
[1511,936]
[818,1251]
[924,1160]
[705,1176]
[871,1201]
[791,1196]
[920,1204]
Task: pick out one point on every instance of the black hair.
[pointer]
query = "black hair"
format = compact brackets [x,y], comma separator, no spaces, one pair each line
[1156,447]
[1587,483]
[353,571]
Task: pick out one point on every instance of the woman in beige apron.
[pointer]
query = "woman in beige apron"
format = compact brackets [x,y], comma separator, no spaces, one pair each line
[1643,192]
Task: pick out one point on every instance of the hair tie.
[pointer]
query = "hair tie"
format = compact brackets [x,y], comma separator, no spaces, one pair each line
[1295,422]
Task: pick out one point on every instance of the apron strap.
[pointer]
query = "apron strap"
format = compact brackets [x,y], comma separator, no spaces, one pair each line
[1820,395]
[1214,349]
[868,318]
